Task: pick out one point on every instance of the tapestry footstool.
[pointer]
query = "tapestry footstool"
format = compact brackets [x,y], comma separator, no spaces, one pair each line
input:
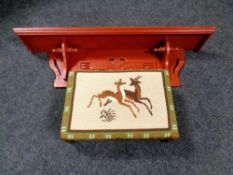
[119,105]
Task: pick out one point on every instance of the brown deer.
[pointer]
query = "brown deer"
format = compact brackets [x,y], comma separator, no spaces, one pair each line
[137,95]
[118,96]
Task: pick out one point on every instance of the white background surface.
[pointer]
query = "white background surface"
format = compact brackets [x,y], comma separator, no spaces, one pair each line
[88,84]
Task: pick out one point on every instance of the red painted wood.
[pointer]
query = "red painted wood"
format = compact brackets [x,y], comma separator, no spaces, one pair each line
[114,48]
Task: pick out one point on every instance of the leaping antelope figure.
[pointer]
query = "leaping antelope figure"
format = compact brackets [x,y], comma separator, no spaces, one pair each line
[118,96]
[137,95]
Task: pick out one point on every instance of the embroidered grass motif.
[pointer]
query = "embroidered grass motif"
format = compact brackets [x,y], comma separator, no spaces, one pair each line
[108,115]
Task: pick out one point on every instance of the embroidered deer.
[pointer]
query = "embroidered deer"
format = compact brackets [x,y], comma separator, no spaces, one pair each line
[118,96]
[136,95]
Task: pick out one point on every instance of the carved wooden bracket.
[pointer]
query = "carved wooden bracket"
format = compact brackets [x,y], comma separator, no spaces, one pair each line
[173,59]
[58,63]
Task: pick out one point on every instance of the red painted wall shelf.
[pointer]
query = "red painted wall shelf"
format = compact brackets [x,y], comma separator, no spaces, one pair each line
[115,48]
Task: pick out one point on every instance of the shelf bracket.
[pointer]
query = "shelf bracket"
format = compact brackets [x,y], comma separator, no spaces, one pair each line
[58,59]
[172,59]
